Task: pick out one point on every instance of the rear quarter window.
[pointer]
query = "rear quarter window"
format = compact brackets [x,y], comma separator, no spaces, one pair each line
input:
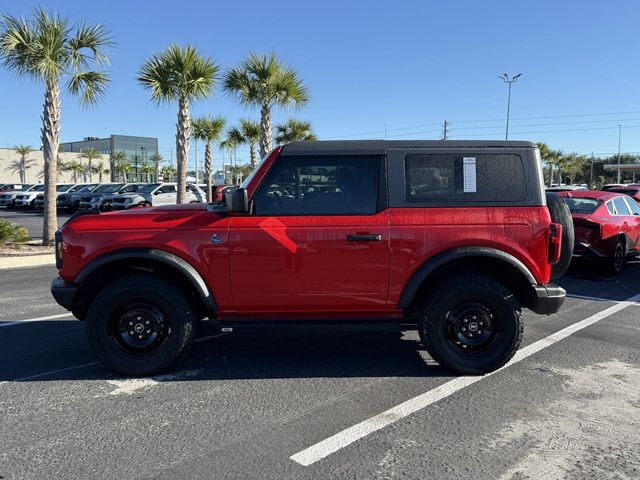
[444,177]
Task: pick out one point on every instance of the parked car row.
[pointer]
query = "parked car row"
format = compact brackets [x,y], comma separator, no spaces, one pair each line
[102,196]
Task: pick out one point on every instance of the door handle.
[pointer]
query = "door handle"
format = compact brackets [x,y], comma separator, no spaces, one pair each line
[364,238]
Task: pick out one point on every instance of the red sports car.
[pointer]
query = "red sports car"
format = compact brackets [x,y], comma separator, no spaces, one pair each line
[607,226]
[631,190]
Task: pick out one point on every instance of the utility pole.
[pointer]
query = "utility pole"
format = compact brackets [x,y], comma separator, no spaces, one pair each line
[444,130]
[619,138]
[591,177]
[196,158]
[509,82]
[386,125]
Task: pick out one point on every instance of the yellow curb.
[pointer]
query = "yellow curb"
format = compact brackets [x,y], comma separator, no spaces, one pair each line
[20,261]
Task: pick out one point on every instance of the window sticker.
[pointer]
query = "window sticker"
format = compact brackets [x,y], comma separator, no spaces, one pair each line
[469,174]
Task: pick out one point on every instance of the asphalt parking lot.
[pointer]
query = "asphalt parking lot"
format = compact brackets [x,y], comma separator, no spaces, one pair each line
[31,219]
[277,404]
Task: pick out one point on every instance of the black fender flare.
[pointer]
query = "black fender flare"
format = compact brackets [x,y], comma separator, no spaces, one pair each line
[162,256]
[428,267]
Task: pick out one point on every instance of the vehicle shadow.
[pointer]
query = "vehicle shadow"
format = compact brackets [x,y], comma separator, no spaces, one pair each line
[590,279]
[255,354]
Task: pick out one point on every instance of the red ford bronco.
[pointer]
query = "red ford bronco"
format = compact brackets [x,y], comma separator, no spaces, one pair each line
[452,237]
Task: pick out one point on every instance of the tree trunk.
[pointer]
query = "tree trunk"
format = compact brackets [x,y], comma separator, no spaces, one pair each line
[23,170]
[50,142]
[90,172]
[265,130]
[208,166]
[252,153]
[182,146]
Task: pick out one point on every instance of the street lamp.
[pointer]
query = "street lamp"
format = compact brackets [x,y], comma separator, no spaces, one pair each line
[619,138]
[509,81]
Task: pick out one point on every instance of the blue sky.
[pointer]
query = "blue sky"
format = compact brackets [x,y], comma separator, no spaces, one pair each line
[401,65]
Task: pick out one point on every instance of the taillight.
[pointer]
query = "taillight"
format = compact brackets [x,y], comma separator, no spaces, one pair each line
[555,243]
[58,249]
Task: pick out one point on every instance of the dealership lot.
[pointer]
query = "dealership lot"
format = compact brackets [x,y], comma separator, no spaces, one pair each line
[30,219]
[241,405]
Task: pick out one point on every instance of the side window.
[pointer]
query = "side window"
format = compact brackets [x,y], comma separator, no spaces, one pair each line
[633,206]
[611,208]
[464,178]
[167,189]
[324,185]
[621,206]
[128,189]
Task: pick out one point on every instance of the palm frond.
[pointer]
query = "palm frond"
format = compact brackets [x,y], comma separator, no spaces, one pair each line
[93,38]
[178,73]
[264,80]
[88,86]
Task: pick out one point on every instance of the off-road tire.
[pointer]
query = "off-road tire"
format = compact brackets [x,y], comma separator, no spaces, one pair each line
[434,323]
[560,213]
[122,294]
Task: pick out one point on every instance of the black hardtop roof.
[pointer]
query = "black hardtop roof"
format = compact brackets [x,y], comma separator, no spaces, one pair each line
[379,147]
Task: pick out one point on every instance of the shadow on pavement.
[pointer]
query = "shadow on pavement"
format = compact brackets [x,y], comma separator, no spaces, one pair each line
[40,347]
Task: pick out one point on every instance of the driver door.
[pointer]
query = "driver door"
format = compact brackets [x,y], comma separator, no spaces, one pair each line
[317,240]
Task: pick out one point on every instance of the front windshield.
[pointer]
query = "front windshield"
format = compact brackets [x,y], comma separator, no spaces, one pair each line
[37,188]
[582,206]
[247,180]
[63,188]
[148,188]
[86,188]
[111,188]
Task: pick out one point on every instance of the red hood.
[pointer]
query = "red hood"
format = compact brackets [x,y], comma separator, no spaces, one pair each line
[140,219]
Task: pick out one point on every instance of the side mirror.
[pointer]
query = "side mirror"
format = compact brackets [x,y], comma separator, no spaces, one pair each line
[236,202]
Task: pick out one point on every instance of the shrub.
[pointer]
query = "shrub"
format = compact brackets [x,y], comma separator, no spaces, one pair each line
[10,233]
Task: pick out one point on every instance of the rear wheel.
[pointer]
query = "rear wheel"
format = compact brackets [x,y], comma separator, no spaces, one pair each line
[615,263]
[140,324]
[471,324]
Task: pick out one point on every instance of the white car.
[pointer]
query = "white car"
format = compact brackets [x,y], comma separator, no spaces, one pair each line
[156,194]
[8,197]
[28,199]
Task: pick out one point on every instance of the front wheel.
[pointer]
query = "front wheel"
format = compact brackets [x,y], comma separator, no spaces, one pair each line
[140,324]
[470,324]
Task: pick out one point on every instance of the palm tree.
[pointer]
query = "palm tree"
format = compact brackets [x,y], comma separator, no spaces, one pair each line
[167,173]
[294,131]
[156,158]
[208,130]
[60,167]
[264,81]
[101,170]
[248,133]
[124,167]
[49,49]
[90,154]
[24,163]
[75,168]
[115,159]
[147,170]
[180,74]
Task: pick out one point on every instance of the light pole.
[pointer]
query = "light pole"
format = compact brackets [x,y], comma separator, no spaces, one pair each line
[144,163]
[619,138]
[509,82]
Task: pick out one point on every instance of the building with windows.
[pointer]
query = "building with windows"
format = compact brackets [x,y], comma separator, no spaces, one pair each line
[138,151]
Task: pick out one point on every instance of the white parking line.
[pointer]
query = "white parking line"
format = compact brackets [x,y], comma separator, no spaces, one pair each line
[38,319]
[352,434]
[31,377]
[596,299]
